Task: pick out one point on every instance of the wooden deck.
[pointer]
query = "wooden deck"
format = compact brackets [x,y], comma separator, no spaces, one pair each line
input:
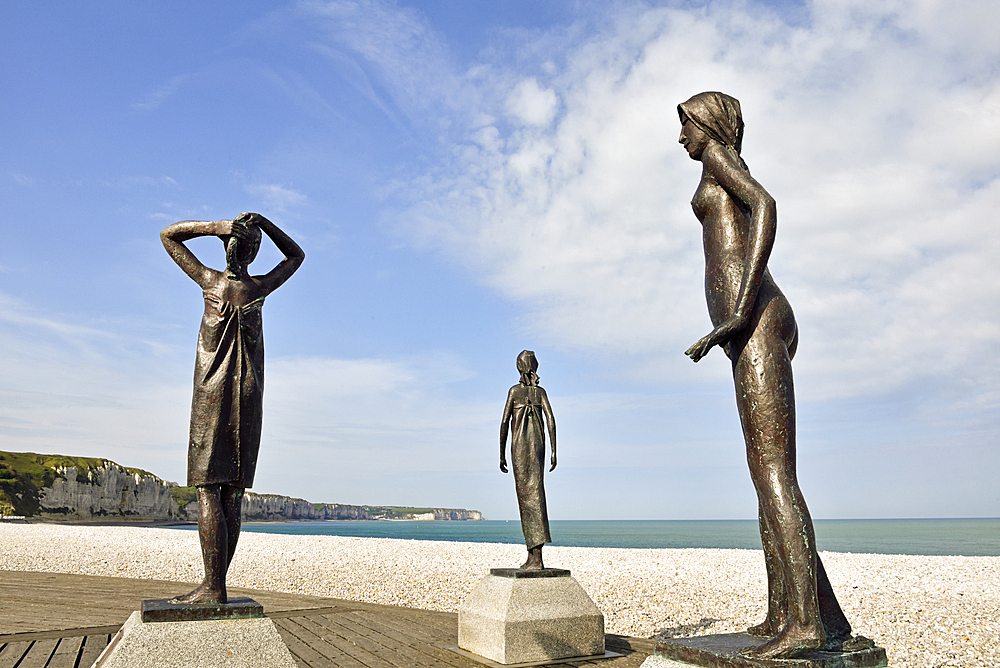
[50,620]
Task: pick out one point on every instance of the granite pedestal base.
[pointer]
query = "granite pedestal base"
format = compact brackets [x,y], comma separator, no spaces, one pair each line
[516,616]
[235,635]
[723,651]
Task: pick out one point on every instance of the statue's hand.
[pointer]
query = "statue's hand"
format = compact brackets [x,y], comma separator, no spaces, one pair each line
[553,460]
[503,465]
[719,336]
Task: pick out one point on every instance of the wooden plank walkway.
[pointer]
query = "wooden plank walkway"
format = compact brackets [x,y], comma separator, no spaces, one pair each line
[52,620]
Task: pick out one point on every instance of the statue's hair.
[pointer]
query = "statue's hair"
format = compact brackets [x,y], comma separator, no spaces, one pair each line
[527,365]
[233,255]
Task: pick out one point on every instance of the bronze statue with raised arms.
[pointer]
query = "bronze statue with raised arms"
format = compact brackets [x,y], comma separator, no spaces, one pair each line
[228,381]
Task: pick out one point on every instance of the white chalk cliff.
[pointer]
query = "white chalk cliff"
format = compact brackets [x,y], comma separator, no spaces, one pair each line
[106,492]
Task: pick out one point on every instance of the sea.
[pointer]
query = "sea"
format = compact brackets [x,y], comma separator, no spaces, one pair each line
[977,537]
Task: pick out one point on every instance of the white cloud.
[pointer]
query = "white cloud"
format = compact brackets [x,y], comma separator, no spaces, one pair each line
[80,390]
[531,104]
[401,414]
[86,391]
[401,54]
[876,127]
[276,197]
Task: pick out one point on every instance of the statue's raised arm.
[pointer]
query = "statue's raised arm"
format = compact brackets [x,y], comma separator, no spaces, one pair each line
[224,436]
[174,236]
[294,256]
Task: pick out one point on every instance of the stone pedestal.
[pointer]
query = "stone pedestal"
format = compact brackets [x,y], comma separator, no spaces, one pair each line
[723,651]
[167,635]
[516,616]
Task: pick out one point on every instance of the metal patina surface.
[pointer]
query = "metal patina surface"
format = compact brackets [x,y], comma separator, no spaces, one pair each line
[725,651]
[228,380]
[754,325]
[165,610]
[526,415]
[530,573]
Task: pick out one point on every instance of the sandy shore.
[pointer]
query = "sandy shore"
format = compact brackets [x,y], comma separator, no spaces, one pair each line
[926,611]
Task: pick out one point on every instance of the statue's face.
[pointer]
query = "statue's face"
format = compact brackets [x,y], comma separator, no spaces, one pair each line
[693,139]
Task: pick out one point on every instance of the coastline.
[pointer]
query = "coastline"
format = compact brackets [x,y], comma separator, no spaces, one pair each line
[925,610]
[174,523]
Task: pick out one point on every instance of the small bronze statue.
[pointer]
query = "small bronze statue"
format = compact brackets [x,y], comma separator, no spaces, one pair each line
[228,381]
[526,404]
[754,325]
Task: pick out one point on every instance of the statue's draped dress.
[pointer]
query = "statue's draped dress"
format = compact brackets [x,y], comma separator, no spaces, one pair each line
[228,394]
[528,458]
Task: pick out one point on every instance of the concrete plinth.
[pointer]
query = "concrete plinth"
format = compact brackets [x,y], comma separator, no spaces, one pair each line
[233,643]
[516,616]
[723,651]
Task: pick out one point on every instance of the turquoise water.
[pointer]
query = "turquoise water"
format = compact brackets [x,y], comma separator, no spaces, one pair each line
[968,537]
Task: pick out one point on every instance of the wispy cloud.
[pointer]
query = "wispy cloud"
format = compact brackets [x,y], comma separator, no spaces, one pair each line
[83,390]
[394,53]
[158,96]
[883,156]
[86,391]
[276,197]
[129,180]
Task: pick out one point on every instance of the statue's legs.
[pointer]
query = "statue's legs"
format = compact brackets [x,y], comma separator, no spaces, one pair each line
[232,508]
[534,561]
[765,397]
[219,522]
[834,620]
[777,599]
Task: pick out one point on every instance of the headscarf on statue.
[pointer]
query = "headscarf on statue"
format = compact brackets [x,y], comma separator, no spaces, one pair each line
[718,115]
[527,365]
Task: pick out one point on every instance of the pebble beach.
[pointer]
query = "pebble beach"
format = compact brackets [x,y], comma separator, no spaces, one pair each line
[927,611]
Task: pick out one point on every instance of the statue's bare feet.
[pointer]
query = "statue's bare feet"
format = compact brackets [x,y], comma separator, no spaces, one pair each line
[766,629]
[203,595]
[790,642]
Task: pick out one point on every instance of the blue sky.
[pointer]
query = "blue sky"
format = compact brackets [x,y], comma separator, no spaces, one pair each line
[472,179]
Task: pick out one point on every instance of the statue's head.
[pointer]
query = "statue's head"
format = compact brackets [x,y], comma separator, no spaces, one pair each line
[528,365]
[241,252]
[717,115]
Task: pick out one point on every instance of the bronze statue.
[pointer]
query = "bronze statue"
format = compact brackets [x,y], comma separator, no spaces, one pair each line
[754,325]
[228,381]
[527,403]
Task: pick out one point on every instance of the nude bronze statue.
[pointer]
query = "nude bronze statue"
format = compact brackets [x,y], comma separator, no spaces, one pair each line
[526,410]
[755,326]
[228,381]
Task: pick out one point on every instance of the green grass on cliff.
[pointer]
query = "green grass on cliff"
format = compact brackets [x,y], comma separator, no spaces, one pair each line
[183,495]
[24,474]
